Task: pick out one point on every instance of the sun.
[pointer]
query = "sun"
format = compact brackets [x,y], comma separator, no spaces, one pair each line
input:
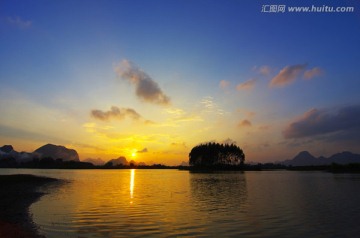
[133,154]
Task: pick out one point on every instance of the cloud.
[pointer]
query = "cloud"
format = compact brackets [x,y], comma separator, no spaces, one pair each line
[177,116]
[179,144]
[211,106]
[322,122]
[175,111]
[287,75]
[18,22]
[244,123]
[314,72]
[116,113]
[264,70]
[146,88]
[145,150]
[247,85]
[224,84]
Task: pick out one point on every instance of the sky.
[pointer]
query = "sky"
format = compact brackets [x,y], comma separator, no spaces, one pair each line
[151,79]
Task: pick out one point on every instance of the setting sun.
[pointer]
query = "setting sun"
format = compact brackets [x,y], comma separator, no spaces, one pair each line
[133,154]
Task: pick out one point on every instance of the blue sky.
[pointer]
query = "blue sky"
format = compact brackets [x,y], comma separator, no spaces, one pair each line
[273,83]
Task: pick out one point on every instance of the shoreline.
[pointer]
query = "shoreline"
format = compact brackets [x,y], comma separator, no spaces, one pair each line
[17,193]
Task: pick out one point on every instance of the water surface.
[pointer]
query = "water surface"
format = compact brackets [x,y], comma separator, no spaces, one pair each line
[171,203]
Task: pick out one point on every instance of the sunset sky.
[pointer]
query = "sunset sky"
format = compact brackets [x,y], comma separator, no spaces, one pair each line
[150,79]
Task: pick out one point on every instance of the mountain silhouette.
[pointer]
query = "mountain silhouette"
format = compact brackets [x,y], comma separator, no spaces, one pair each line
[119,161]
[57,152]
[96,161]
[304,158]
[6,148]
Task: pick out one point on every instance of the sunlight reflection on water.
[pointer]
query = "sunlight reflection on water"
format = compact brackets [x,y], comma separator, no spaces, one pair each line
[163,203]
[132,183]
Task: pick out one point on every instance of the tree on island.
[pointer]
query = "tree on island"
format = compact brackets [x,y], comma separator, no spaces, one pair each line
[215,155]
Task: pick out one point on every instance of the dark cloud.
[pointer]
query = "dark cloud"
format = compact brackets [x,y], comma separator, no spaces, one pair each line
[244,123]
[179,144]
[145,150]
[341,122]
[146,88]
[116,113]
[287,75]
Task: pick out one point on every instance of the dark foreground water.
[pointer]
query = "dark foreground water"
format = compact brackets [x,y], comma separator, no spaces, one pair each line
[171,203]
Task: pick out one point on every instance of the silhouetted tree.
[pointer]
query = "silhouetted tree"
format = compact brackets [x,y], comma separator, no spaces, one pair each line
[216,155]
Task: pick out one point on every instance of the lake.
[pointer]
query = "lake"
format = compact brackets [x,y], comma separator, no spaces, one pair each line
[172,203]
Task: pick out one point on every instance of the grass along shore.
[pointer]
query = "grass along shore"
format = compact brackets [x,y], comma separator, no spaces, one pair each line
[17,193]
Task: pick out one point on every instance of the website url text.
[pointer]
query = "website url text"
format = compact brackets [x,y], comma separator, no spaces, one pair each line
[313,8]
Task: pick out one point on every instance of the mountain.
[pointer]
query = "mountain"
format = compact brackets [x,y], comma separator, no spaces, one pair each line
[6,148]
[304,158]
[57,152]
[8,152]
[119,161]
[97,161]
[345,157]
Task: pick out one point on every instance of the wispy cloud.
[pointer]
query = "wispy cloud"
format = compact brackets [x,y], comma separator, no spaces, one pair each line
[287,75]
[247,85]
[265,70]
[314,72]
[224,84]
[116,113]
[175,111]
[146,88]
[93,127]
[319,122]
[18,22]
[211,106]
[179,115]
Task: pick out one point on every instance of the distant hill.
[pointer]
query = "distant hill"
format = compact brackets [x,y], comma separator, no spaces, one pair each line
[345,158]
[57,152]
[304,158]
[46,151]
[97,161]
[7,152]
[119,161]
[6,148]
[122,161]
